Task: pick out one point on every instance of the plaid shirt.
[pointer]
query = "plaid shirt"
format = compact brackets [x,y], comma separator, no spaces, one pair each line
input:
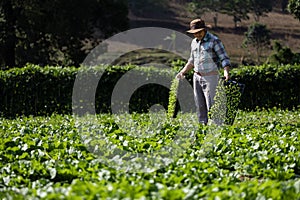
[208,54]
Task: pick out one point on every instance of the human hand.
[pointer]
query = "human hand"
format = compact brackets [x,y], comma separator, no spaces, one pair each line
[226,77]
[180,75]
[226,74]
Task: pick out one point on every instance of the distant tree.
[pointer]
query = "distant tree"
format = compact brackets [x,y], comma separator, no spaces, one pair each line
[239,9]
[233,8]
[139,7]
[257,36]
[284,4]
[283,55]
[199,7]
[294,8]
[52,31]
[259,7]
[236,8]
[281,5]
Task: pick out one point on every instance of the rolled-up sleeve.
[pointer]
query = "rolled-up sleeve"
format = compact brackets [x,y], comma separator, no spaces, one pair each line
[221,53]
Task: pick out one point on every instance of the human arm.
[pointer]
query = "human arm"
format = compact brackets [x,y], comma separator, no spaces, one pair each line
[186,68]
[223,57]
[189,65]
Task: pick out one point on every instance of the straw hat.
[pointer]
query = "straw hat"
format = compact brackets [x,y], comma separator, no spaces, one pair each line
[197,25]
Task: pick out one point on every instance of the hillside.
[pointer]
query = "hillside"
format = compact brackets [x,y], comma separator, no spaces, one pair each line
[283,26]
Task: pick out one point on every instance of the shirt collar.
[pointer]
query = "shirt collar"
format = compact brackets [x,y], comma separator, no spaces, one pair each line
[206,37]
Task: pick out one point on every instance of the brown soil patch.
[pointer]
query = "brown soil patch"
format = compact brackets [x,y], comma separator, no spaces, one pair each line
[284,27]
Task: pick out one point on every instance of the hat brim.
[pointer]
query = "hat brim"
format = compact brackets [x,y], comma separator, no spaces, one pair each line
[195,30]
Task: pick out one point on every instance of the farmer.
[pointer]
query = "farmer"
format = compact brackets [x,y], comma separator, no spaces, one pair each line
[207,54]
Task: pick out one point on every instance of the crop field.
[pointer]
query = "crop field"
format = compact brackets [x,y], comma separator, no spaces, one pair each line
[54,157]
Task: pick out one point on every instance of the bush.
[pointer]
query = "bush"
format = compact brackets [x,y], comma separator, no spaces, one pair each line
[35,90]
[283,55]
[268,86]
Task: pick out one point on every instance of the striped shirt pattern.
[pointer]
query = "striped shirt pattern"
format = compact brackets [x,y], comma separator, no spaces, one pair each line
[208,53]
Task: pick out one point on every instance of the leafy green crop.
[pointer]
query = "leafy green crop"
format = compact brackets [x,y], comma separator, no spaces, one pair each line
[255,158]
[173,98]
[227,101]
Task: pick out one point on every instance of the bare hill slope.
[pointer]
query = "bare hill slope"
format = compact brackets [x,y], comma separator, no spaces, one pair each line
[284,27]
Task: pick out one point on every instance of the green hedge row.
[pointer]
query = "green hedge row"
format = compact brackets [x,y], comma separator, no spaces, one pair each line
[35,90]
[269,86]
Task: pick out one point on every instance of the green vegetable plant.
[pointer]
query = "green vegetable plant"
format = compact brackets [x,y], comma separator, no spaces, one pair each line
[173,98]
[257,157]
[226,102]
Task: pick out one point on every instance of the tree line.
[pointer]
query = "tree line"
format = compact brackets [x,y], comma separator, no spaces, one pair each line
[56,32]
[62,32]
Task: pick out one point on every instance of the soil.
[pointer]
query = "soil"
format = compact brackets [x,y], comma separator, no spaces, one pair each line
[283,26]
